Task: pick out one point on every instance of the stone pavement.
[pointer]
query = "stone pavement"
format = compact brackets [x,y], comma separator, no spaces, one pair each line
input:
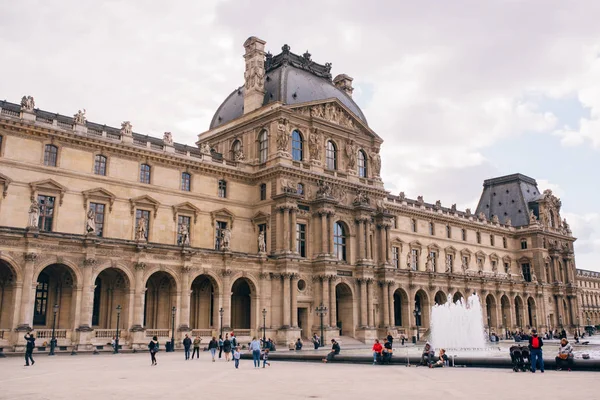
[130,376]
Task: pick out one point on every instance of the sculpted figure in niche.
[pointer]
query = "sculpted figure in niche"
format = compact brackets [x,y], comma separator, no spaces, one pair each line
[90,225]
[283,136]
[532,218]
[140,231]
[448,263]
[314,145]
[184,234]
[27,103]
[34,214]
[79,118]
[262,246]
[226,238]
[464,266]
[376,160]
[381,206]
[408,261]
[351,152]
[429,263]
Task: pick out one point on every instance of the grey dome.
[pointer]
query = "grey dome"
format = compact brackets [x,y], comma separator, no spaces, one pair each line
[292,80]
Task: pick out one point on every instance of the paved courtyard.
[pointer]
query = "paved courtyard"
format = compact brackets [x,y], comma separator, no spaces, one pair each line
[130,376]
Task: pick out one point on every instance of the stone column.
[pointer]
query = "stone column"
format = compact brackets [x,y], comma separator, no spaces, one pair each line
[381,244]
[286,230]
[555,271]
[391,301]
[280,234]
[293,246]
[361,239]
[226,299]
[388,249]
[286,300]
[330,224]
[325,295]
[294,296]
[324,241]
[363,302]
[28,293]
[87,296]
[184,315]
[370,322]
[140,291]
[332,300]
[368,239]
[386,304]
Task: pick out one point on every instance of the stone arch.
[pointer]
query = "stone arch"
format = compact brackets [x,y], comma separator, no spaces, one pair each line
[400,309]
[507,312]
[440,298]
[160,297]
[490,311]
[244,303]
[113,286]
[204,301]
[344,306]
[422,304]
[166,269]
[54,260]
[532,313]
[119,266]
[55,285]
[13,266]
[519,311]
[8,281]
[458,296]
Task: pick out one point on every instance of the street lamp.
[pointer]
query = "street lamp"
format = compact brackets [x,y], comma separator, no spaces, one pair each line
[117,335]
[173,311]
[417,314]
[505,330]
[221,311]
[264,313]
[321,311]
[53,340]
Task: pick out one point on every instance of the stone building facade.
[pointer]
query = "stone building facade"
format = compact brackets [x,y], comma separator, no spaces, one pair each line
[589,297]
[279,208]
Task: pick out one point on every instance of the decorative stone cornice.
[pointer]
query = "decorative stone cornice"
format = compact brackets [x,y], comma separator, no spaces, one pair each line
[30,257]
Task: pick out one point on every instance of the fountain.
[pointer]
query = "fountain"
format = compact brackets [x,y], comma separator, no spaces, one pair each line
[458,326]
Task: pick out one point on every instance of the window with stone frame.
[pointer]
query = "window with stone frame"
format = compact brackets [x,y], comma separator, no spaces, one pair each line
[525,267]
[301,239]
[50,155]
[187,222]
[433,257]
[100,165]
[330,155]
[339,241]
[186,181]
[396,256]
[99,210]
[523,244]
[448,231]
[297,146]
[263,191]
[478,237]
[449,262]
[146,214]
[413,225]
[300,189]
[145,171]
[220,226]
[414,259]
[222,190]
[465,260]
[494,265]
[46,218]
[362,164]
[507,267]
[431,228]
[263,147]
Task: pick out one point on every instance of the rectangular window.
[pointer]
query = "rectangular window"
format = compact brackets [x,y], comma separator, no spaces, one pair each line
[413,223]
[494,265]
[185,221]
[221,226]
[492,240]
[431,228]
[414,259]
[301,239]
[465,261]
[263,191]
[524,244]
[526,272]
[396,257]
[222,189]
[146,214]
[145,173]
[449,262]
[448,232]
[432,256]
[504,243]
[464,234]
[186,180]
[46,213]
[50,155]
[41,300]
[99,220]
[506,267]
[100,165]
[478,236]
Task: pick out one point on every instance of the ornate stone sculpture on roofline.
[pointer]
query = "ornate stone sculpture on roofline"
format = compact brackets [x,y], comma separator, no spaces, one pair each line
[34,215]
[126,128]
[79,118]
[205,149]
[27,103]
[168,138]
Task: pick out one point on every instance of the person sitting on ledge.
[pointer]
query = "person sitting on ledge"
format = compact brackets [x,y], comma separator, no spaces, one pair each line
[565,356]
[386,355]
[298,345]
[335,350]
[377,349]
[442,360]
[428,354]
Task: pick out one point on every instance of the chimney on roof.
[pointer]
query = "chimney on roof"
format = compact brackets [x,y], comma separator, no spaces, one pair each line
[344,83]
[254,75]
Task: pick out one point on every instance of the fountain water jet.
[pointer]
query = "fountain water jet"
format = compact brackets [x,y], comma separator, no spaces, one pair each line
[458,325]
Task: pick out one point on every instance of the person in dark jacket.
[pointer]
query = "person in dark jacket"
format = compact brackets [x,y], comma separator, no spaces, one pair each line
[220,345]
[187,344]
[153,348]
[335,350]
[227,347]
[298,345]
[535,348]
[390,338]
[212,347]
[29,348]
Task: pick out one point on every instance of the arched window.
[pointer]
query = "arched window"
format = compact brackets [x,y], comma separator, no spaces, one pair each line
[145,173]
[331,155]
[263,146]
[100,165]
[339,241]
[50,155]
[297,146]
[300,189]
[362,164]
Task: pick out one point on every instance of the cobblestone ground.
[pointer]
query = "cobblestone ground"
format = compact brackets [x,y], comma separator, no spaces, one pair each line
[130,376]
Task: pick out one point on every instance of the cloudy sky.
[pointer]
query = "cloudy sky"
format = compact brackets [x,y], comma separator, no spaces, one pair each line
[460,91]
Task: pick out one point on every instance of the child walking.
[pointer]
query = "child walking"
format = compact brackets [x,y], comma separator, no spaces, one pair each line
[236,357]
[266,358]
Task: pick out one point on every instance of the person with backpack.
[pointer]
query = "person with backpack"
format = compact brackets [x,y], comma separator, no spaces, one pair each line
[153,348]
[29,347]
[535,348]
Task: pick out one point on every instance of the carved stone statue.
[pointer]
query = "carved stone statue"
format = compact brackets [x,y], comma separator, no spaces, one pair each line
[238,155]
[314,145]
[205,149]
[351,152]
[126,128]
[184,235]
[79,118]
[381,206]
[376,161]
[429,263]
[283,137]
[508,222]
[448,263]
[361,198]
[168,138]
[288,186]
[464,265]
[532,218]
[468,212]
[438,205]
[140,230]
[254,74]
[34,214]
[453,208]
[262,247]
[481,216]
[401,196]
[27,104]
[226,238]
[90,224]
[566,226]
[323,189]
[495,219]
[480,264]
[420,200]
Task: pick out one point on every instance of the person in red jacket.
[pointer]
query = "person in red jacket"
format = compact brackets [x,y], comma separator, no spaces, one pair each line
[535,348]
[377,348]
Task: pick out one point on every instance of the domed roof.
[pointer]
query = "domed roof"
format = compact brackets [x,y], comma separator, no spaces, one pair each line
[291,79]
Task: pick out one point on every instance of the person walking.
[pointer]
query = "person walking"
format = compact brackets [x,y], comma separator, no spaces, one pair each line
[29,347]
[227,347]
[377,349]
[187,343]
[220,345]
[266,358]
[212,346]
[564,359]
[236,357]
[255,349]
[535,349]
[153,347]
[196,350]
